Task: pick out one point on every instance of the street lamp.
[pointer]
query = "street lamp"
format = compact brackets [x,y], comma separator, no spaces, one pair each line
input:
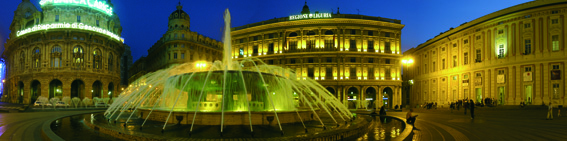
[201,65]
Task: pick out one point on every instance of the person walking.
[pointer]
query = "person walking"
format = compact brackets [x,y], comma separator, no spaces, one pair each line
[471,103]
[550,112]
[465,105]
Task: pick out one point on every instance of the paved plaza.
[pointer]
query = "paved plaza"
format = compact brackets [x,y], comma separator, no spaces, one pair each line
[488,124]
[433,124]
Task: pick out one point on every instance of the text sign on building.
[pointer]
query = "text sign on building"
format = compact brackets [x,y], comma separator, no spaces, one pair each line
[96,4]
[310,16]
[68,25]
[500,79]
[527,76]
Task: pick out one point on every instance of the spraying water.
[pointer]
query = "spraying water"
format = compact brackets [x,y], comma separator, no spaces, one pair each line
[246,87]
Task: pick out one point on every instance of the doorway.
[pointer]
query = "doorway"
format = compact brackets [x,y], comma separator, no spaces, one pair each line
[528,94]
[478,94]
[501,95]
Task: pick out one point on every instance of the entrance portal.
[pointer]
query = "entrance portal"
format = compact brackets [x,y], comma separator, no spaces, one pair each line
[501,95]
[528,94]
[387,97]
[478,95]
[35,90]
[370,97]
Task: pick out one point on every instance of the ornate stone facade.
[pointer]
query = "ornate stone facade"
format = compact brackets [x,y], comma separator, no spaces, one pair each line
[353,56]
[178,45]
[513,55]
[80,60]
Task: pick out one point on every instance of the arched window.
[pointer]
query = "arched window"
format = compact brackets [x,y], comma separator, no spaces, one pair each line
[293,34]
[36,58]
[22,60]
[78,56]
[97,59]
[310,33]
[56,57]
[110,62]
[328,32]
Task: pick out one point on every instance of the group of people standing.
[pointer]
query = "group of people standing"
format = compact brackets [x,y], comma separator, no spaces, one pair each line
[465,103]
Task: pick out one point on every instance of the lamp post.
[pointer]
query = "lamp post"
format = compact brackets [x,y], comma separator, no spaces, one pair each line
[407,83]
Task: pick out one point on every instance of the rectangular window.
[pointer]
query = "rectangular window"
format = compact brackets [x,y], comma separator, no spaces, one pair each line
[329,43]
[292,45]
[270,36]
[79,19]
[454,45]
[466,41]
[527,25]
[255,50]
[174,45]
[56,18]
[370,73]
[241,40]
[97,23]
[174,55]
[329,73]
[271,48]
[387,73]
[310,60]
[555,67]
[442,49]
[353,32]
[554,21]
[478,37]
[443,63]
[500,51]
[241,51]
[310,44]
[370,46]
[292,61]
[329,59]
[352,59]
[433,68]
[370,33]
[183,36]
[310,73]
[387,47]
[387,34]
[466,58]
[528,69]
[478,56]
[270,62]
[528,47]
[555,42]
[182,55]
[370,60]
[554,12]
[454,61]
[556,91]
[255,38]
[352,73]
[353,45]
[387,61]
[500,31]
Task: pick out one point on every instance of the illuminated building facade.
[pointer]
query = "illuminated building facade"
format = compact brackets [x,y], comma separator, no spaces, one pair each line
[66,50]
[355,57]
[513,55]
[178,45]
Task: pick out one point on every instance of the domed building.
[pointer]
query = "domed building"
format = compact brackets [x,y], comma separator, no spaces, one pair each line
[178,45]
[355,57]
[67,49]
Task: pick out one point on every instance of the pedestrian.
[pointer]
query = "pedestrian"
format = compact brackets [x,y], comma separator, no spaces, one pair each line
[472,108]
[550,112]
[466,105]
[410,119]
[559,111]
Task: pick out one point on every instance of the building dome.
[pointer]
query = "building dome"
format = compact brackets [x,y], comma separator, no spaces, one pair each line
[305,9]
[179,19]
[25,8]
[179,14]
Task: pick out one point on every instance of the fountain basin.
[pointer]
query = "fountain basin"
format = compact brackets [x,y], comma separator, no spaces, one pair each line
[230,118]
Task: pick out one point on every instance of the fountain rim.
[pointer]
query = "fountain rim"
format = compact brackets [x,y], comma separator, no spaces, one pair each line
[239,112]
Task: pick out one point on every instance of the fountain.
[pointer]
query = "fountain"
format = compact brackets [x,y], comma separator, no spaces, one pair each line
[249,92]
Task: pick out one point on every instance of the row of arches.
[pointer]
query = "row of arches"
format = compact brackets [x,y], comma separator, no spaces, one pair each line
[56,55]
[55,89]
[353,95]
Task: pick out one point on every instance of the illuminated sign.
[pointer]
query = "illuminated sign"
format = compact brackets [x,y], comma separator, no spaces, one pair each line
[310,16]
[99,5]
[71,26]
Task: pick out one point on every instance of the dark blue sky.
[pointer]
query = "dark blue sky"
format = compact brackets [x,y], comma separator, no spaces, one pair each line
[145,21]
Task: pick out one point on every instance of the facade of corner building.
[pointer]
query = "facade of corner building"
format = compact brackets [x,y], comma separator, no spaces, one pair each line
[355,57]
[510,56]
[177,46]
[79,56]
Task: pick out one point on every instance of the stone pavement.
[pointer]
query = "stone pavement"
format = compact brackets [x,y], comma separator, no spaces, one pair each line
[27,126]
[488,124]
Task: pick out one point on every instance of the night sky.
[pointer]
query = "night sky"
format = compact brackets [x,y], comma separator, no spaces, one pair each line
[145,21]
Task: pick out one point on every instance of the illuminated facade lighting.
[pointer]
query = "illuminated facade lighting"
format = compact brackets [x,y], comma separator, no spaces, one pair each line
[81,26]
[95,4]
